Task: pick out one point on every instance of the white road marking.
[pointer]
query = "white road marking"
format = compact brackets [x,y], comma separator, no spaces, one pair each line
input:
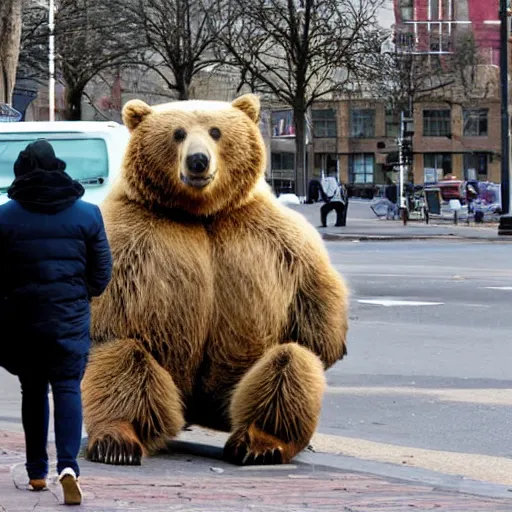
[484,396]
[504,288]
[390,302]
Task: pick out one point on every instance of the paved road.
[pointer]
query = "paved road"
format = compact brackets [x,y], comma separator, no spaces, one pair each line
[436,376]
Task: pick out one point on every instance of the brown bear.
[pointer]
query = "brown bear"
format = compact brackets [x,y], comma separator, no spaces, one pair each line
[223,310]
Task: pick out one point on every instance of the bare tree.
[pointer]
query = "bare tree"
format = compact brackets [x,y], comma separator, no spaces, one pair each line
[179,38]
[10,32]
[298,51]
[403,77]
[90,37]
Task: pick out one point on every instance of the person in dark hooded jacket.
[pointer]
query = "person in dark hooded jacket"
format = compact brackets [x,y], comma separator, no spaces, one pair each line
[54,257]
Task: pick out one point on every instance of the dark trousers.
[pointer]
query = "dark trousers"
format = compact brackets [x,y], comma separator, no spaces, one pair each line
[341,219]
[35,412]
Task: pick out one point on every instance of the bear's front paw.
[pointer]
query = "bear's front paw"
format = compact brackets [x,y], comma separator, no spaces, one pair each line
[120,446]
[109,450]
[255,447]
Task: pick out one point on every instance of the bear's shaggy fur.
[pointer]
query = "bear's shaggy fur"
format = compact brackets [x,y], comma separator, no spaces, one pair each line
[223,309]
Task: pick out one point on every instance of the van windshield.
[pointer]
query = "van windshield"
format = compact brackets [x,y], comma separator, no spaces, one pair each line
[86,158]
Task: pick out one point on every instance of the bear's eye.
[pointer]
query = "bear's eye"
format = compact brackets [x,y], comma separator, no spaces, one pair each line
[180,135]
[215,133]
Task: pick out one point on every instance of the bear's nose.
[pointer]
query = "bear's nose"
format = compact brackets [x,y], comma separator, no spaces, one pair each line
[198,162]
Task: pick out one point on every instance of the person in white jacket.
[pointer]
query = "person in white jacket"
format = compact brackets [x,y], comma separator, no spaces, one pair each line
[335,200]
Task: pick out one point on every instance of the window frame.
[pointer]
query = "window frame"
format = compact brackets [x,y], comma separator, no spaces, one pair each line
[282,155]
[446,162]
[431,122]
[475,115]
[392,119]
[365,116]
[324,123]
[368,159]
[476,155]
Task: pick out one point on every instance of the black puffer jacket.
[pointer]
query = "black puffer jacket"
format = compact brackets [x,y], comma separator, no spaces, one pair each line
[54,256]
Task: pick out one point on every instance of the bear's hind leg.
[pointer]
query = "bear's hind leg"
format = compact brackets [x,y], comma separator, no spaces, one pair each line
[276,406]
[131,404]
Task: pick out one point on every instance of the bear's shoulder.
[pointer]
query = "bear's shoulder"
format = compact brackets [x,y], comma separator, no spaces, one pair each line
[265,217]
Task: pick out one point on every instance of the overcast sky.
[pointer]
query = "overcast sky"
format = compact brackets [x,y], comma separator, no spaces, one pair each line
[387,14]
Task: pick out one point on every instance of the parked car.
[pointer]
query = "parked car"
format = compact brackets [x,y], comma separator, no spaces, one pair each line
[93,151]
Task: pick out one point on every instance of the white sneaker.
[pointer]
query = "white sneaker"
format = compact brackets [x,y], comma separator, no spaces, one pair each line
[70,487]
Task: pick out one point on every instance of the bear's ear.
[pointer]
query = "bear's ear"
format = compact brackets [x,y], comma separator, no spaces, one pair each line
[249,104]
[134,112]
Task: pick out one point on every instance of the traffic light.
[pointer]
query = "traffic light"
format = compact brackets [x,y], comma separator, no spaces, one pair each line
[407,151]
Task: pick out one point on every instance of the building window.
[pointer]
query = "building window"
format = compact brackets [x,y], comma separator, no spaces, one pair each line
[324,123]
[433,9]
[282,124]
[475,166]
[438,161]
[437,123]
[447,7]
[283,161]
[325,163]
[406,10]
[476,122]
[362,122]
[392,125]
[361,169]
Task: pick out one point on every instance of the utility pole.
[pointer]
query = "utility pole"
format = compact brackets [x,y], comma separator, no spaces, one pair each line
[405,159]
[401,198]
[505,226]
[50,5]
[51,60]
[305,155]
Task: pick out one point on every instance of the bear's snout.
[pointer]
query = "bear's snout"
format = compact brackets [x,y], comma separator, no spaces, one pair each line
[198,163]
[198,169]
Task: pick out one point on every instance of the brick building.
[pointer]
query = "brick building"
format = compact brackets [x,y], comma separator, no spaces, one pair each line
[454,133]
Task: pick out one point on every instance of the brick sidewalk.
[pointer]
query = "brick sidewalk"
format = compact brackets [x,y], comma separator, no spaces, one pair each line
[181,482]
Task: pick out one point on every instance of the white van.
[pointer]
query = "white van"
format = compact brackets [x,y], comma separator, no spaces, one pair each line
[93,151]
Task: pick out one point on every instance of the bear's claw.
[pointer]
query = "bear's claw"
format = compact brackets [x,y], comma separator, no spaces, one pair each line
[243,457]
[109,450]
[255,448]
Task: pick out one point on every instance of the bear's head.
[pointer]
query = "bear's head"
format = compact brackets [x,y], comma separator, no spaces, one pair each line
[197,156]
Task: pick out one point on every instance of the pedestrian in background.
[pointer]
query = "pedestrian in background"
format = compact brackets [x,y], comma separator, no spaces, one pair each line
[54,257]
[336,199]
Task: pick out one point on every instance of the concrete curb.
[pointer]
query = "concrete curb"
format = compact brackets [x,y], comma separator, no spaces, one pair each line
[339,462]
[413,475]
[349,237]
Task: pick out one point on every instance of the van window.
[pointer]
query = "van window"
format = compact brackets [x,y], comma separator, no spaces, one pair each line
[86,159]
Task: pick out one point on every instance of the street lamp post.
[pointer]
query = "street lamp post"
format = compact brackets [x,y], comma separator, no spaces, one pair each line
[50,5]
[51,60]
[505,226]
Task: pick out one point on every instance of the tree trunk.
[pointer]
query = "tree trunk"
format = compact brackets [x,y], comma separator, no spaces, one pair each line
[10,35]
[301,174]
[183,94]
[74,103]
[183,88]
